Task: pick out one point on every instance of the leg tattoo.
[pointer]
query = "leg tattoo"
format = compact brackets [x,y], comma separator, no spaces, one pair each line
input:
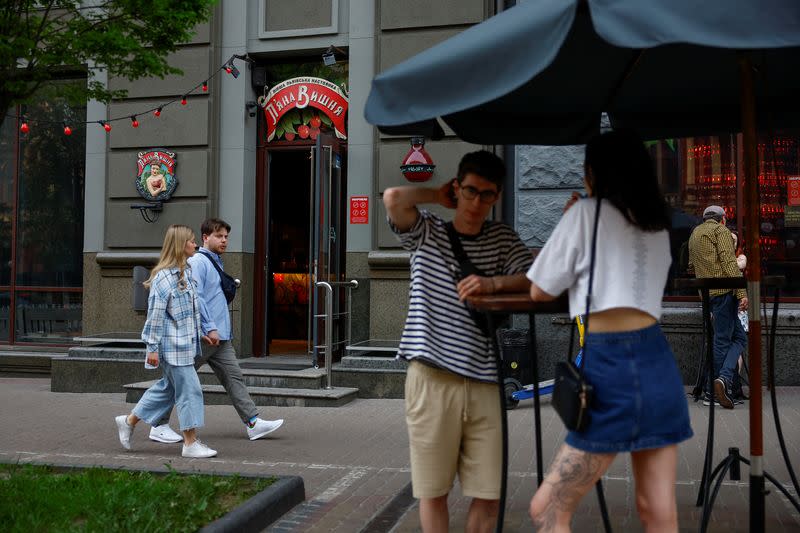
[570,477]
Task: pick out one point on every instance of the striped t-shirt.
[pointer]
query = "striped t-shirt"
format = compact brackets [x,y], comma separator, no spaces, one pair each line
[439,329]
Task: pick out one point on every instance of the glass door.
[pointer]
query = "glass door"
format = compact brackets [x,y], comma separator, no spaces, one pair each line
[326,247]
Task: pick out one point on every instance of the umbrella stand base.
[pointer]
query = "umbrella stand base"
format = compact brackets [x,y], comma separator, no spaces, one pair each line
[731,464]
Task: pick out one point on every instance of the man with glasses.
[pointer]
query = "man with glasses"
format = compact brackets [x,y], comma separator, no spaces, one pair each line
[452,407]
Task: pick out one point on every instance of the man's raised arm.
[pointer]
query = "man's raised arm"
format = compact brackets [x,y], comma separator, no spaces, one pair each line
[401,202]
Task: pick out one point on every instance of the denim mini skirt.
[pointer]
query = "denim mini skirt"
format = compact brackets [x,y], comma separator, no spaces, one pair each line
[639,401]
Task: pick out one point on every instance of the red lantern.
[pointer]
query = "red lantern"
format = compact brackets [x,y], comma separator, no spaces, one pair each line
[417,164]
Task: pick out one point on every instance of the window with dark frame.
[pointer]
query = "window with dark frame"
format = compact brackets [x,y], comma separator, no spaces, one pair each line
[701,171]
[41,220]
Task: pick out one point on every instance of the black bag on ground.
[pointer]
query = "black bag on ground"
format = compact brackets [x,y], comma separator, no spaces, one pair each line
[227,282]
[467,268]
[572,395]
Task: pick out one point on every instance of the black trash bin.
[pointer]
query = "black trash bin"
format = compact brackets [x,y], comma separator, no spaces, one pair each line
[515,351]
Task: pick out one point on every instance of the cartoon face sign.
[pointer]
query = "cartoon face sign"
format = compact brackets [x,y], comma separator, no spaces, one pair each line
[156,179]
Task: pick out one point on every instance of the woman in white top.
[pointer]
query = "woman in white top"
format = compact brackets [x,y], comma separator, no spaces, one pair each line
[639,404]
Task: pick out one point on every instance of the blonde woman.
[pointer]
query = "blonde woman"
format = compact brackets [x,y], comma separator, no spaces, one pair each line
[172,336]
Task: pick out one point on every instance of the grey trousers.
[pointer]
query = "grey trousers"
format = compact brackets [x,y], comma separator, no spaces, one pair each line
[222,360]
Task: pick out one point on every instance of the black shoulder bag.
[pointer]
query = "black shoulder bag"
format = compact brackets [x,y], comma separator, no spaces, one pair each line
[467,268]
[572,395]
[226,281]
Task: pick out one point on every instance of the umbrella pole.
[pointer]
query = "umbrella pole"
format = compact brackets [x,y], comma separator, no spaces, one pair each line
[752,219]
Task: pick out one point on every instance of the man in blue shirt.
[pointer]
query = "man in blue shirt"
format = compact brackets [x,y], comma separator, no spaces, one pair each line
[216,333]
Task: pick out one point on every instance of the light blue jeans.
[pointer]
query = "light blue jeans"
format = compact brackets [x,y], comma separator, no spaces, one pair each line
[179,386]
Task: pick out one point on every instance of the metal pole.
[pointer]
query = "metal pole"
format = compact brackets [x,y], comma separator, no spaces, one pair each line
[352,284]
[328,330]
[752,202]
[537,417]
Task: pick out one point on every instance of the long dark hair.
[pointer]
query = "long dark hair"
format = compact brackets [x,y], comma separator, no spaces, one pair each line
[624,175]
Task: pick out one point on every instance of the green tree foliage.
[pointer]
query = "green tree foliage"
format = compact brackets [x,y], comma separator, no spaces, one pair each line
[41,39]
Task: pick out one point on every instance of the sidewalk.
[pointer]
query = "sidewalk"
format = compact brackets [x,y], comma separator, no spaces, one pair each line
[354,459]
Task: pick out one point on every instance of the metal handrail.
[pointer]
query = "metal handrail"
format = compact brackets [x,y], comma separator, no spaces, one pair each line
[328,285]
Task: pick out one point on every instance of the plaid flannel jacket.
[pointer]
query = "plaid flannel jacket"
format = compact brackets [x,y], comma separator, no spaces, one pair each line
[172,327]
[712,254]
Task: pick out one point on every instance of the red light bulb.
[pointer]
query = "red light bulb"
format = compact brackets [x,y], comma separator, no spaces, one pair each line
[205,87]
[157,112]
[228,69]
[67,130]
[107,127]
[24,128]
[134,123]
[183,101]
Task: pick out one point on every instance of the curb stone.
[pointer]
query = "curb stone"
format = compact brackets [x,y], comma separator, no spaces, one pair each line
[262,509]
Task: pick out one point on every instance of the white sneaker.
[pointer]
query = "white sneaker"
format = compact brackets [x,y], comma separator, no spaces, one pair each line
[125,431]
[165,434]
[263,428]
[198,450]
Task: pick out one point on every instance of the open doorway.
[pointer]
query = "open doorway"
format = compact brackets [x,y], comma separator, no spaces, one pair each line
[288,247]
[300,239]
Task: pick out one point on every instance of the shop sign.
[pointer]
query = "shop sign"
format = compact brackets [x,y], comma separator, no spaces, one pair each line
[793,192]
[359,209]
[302,93]
[155,176]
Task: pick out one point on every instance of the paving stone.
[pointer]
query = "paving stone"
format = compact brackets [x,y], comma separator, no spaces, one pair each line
[354,459]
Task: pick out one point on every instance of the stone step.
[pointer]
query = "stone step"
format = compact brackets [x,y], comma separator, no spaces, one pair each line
[371,382]
[276,362]
[267,396]
[307,378]
[372,362]
[26,364]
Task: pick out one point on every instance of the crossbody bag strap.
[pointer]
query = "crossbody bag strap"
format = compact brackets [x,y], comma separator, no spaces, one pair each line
[213,263]
[592,257]
[467,267]
[458,249]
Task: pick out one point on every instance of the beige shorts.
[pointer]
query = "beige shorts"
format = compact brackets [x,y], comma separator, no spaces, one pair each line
[453,427]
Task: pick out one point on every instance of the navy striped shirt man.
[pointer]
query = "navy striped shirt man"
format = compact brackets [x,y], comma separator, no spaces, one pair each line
[452,410]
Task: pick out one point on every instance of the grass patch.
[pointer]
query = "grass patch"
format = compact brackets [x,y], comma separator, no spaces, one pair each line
[42,498]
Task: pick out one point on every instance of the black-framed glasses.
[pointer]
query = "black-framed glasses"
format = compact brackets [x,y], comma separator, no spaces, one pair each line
[487,196]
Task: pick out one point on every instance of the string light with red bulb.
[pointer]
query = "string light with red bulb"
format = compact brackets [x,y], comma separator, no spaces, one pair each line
[229,67]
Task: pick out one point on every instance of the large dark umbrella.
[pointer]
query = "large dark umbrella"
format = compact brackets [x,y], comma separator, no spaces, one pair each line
[544,71]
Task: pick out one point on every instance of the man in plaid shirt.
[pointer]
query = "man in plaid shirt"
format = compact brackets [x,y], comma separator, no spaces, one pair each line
[712,255]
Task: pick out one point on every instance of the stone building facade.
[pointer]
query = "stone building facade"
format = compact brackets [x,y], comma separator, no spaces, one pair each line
[218,144]
[224,165]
